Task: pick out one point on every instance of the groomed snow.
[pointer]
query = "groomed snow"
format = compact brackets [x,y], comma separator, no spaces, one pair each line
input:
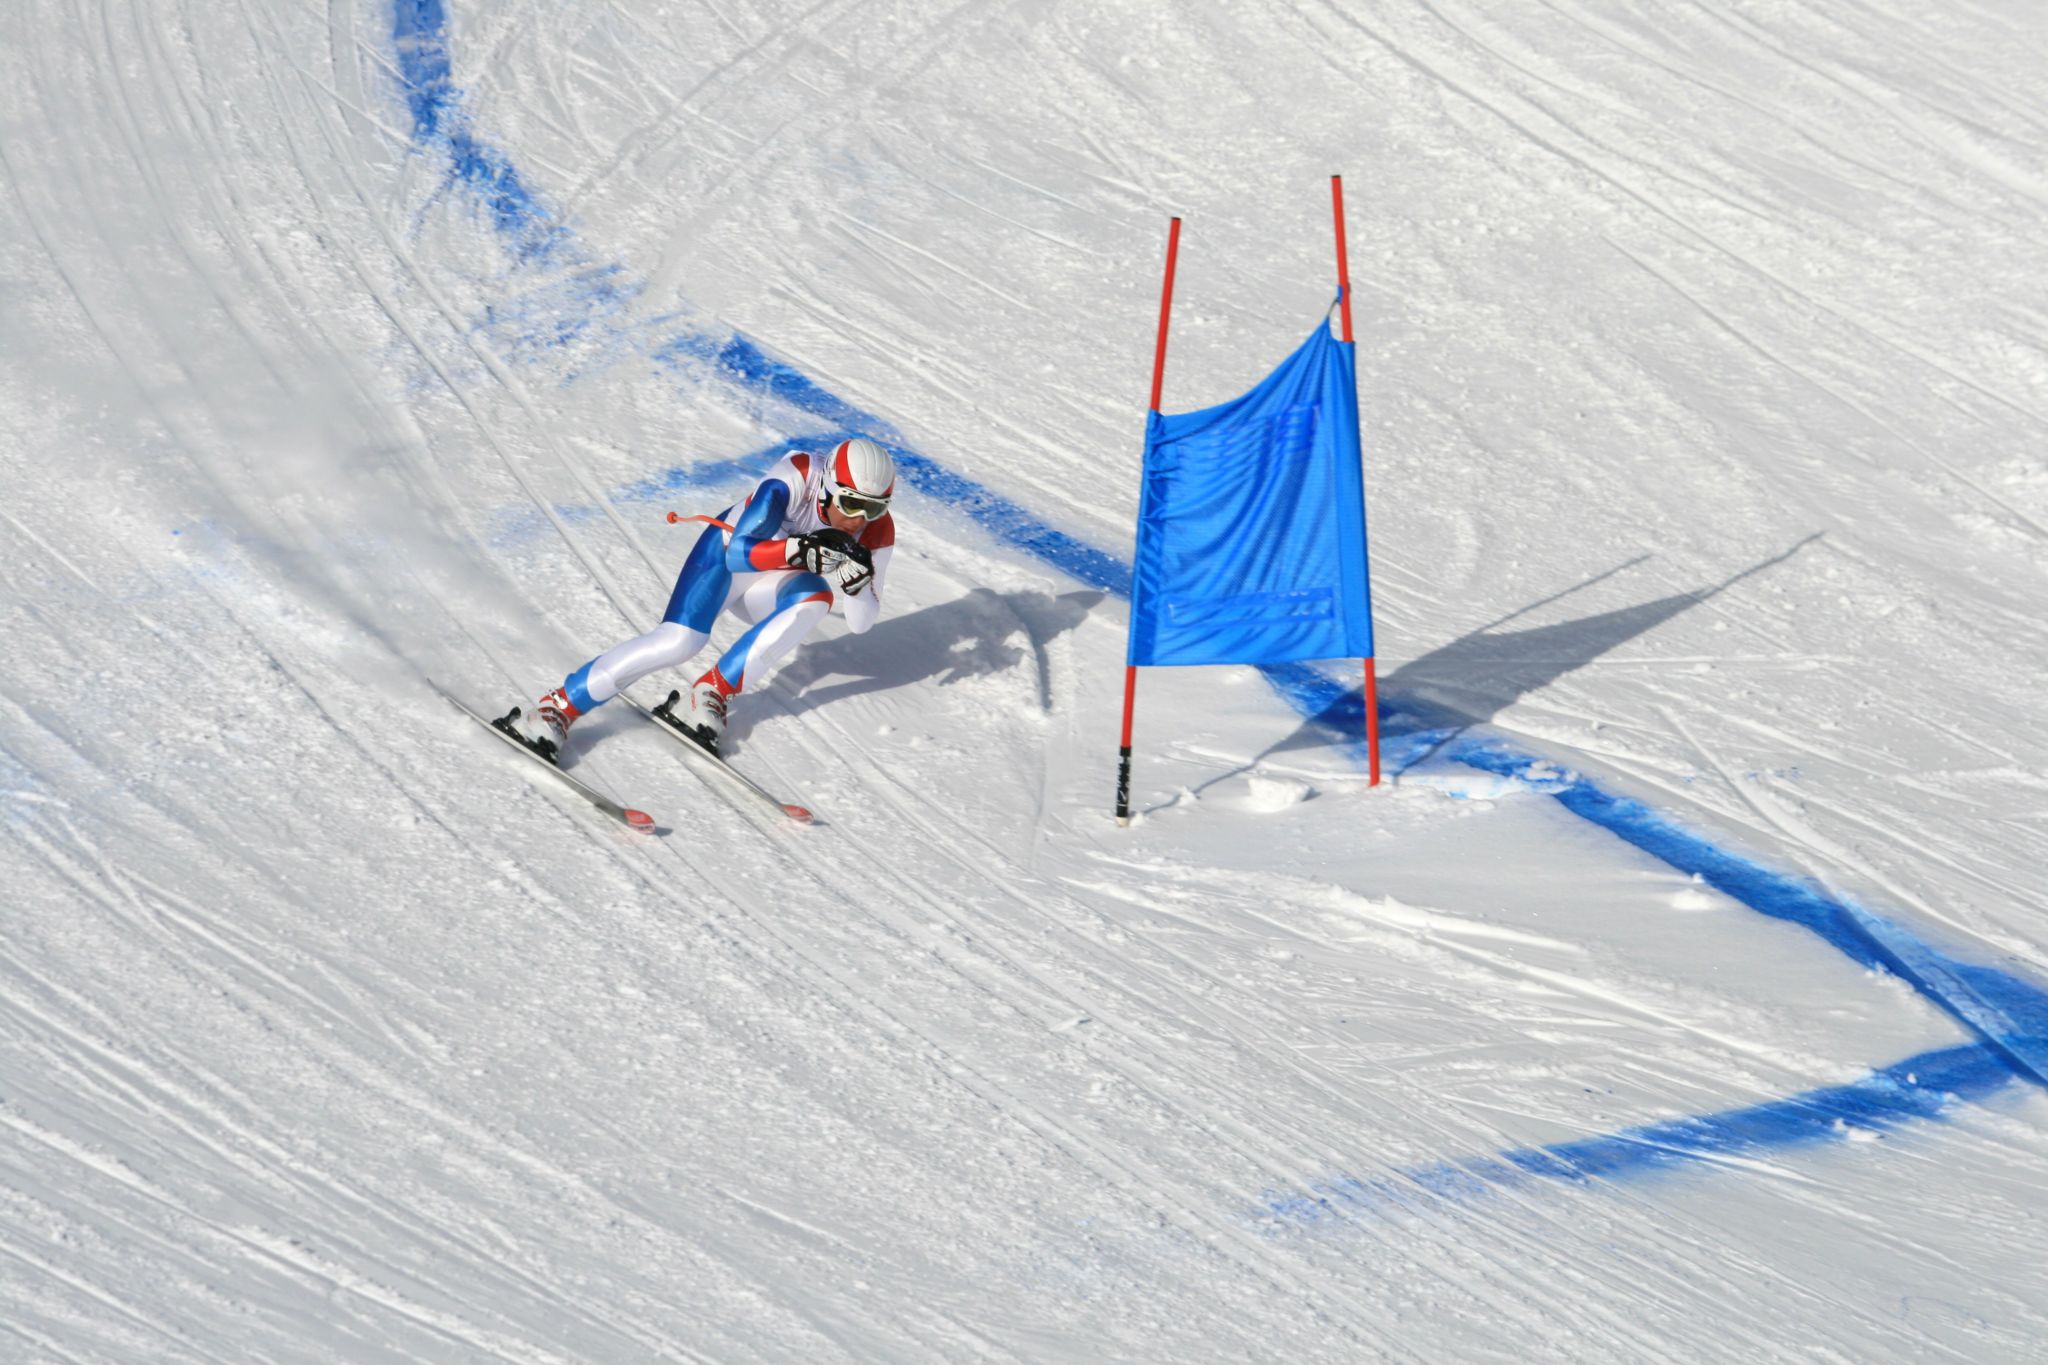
[353,355]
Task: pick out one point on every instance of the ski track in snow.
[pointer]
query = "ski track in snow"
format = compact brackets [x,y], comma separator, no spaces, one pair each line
[323,1052]
[2009,1012]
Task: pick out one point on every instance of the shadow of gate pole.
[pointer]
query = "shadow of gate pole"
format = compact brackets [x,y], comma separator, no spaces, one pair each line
[1477,676]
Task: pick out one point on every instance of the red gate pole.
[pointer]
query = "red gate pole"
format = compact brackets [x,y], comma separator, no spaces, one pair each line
[1123,768]
[1372,686]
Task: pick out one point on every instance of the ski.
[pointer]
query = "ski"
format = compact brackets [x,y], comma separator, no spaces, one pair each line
[709,765]
[502,728]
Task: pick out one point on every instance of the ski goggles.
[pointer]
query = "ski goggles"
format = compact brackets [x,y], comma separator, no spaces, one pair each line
[859,504]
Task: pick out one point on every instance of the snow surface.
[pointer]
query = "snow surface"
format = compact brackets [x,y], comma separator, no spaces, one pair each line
[353,355]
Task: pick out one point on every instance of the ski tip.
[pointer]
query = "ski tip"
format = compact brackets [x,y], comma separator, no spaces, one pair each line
[797,813]
[640,819]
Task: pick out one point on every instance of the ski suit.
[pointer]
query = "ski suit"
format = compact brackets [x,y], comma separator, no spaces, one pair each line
[740,565]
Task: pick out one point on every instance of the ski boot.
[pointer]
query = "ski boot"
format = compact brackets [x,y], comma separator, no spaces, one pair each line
[708,702]
[544,726]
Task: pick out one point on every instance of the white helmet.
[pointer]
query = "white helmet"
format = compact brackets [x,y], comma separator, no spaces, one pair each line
[860,477]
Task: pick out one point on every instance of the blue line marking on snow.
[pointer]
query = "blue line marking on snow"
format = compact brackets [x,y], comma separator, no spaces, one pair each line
[2009,1013]
[2003,1009]
[1007,521]
[1015,526]
[1922,1087]
[419,30]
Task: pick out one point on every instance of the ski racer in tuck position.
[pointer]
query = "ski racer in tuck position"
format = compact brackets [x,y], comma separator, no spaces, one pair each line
[817,530]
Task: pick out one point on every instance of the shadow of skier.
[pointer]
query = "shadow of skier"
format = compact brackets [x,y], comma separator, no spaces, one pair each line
[984,632]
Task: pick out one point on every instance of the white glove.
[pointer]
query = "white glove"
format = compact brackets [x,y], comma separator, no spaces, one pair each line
[850,578]
[819,552]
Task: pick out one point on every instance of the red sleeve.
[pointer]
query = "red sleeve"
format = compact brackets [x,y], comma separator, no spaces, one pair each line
[753,546]
[877,535]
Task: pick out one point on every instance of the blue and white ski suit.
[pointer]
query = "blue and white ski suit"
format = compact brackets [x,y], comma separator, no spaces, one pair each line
[740,565]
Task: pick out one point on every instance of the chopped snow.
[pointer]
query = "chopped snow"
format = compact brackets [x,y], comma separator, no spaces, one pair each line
[354,355]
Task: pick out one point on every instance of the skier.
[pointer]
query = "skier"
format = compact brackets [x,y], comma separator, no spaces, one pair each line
[816,530]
